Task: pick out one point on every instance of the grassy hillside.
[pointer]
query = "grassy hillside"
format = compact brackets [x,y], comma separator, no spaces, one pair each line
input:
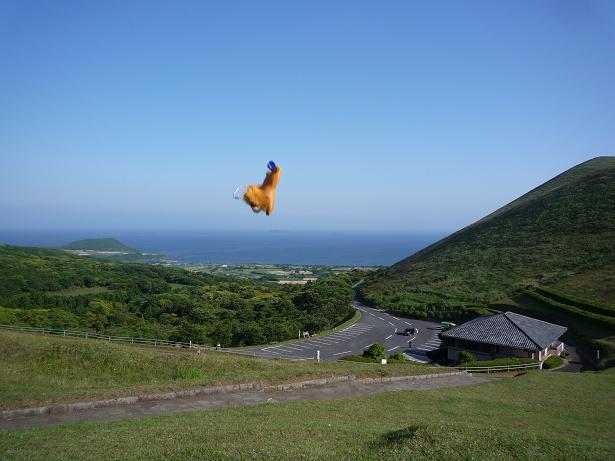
[51,288]
[104,244]
[41,369]
[558,237]
[559,233]
[539,416]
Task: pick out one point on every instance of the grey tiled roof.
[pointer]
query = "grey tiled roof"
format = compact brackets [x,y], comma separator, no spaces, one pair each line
[508,329]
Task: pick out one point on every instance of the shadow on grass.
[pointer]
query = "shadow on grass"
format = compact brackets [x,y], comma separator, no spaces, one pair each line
[399,437]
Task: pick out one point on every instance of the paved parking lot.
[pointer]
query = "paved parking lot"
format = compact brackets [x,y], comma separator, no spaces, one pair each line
[375,326]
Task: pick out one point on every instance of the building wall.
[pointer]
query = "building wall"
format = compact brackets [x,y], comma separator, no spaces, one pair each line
[453,353]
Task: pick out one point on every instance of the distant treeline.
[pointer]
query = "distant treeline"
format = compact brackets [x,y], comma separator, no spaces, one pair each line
[53,289]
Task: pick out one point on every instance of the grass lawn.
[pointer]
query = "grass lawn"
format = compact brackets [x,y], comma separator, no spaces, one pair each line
[532,417]
[40,369]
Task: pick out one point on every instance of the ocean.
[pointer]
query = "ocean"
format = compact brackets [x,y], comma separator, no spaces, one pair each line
[262,247]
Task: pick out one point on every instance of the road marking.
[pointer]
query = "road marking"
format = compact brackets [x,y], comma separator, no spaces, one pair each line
[388,337]
[322,341]
[391,323]
[367,346]
[407,323]
[372,314]
[340,353]
[290,347]
[339,333]
[395,330]
[284,349]
[394,317]
[380,318]
[392,349]
[309,348]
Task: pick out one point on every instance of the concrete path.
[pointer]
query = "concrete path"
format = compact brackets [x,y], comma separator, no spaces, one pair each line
[574,364]
[240,398]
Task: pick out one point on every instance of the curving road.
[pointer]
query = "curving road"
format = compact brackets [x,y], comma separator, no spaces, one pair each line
[374,326]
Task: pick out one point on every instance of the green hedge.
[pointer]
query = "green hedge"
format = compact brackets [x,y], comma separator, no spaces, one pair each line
[602,319]
[575,302]
[499,362]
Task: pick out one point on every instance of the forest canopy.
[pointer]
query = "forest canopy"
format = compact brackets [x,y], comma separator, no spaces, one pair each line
[53,289]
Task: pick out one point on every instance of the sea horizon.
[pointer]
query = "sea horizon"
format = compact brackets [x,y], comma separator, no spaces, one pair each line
[319,247]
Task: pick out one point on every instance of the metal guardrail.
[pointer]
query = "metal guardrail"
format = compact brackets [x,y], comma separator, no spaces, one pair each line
[129,340]
[496,369]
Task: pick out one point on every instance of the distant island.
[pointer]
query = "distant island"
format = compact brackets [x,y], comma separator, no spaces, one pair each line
[103,244]
[110,248]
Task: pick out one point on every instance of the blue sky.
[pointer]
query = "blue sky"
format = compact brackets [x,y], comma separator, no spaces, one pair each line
[385,115]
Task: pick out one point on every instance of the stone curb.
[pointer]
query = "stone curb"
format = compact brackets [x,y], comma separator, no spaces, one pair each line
[256,386]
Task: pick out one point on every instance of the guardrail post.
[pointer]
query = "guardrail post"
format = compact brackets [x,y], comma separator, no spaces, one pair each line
[64,333]
[190,344]
[86,335]
[318,356]
[109,338]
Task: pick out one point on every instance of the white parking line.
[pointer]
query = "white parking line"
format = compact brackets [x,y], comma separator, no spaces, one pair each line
[309,348]
[367,346]
[391,323]
[291,347]
[389,337]
[407,323]
[284,349]
[392,349]
[394,317]
[340,353]
[322,341]
[380,318]
[336,336]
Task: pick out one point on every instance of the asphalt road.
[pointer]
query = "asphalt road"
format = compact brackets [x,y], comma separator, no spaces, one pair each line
[375,326]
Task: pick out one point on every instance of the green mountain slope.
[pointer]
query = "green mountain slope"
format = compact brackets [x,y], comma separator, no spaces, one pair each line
[559,233]
[104,244]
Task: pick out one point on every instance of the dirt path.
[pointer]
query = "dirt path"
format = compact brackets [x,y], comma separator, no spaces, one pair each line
[240,398]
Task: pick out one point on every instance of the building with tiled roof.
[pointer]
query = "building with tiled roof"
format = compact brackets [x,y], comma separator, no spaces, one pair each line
[504,335]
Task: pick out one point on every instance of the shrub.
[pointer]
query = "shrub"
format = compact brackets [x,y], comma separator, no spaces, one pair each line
[375,351]
[397,357]
[465,357]
[552,362]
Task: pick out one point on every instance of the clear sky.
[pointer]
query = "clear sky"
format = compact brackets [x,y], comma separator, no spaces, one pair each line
[399,115]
